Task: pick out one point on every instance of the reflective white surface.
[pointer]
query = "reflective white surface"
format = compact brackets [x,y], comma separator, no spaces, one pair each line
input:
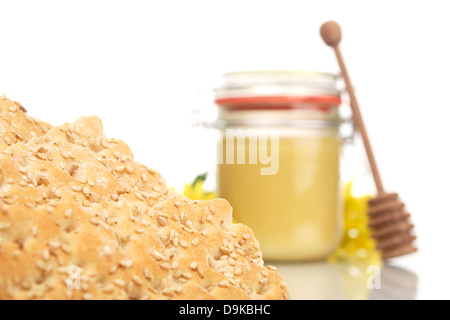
[336,281]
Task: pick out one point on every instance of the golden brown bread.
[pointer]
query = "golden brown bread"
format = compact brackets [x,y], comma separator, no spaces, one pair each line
[17,126]
[75,209]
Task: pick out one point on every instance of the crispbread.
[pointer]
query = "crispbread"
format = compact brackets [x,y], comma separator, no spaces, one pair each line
[17,126]
[77,211]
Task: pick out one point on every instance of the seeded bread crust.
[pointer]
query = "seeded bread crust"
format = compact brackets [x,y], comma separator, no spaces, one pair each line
[74,202]
[17,126]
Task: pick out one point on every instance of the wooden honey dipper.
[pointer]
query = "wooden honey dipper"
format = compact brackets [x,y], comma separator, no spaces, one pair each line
[387,217]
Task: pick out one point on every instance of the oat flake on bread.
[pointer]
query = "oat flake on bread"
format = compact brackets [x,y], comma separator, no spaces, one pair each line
[79,219]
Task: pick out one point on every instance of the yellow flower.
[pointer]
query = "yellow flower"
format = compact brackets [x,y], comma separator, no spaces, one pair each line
[357,242]
[195,191]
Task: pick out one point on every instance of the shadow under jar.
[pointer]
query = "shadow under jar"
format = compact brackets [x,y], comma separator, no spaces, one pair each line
[279,160]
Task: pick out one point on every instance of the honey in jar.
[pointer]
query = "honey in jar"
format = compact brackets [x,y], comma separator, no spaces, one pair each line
[279,160]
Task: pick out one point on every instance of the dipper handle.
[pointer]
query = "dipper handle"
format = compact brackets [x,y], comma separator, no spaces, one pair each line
[331,35]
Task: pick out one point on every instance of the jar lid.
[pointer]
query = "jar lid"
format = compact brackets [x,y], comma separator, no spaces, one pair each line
[252,89]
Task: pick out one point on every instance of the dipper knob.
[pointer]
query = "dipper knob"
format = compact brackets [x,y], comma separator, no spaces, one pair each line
[331,33]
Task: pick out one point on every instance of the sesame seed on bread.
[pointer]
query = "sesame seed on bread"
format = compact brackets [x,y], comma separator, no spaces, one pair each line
[80,219]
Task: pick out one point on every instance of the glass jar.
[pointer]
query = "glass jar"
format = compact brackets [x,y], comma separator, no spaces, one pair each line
[279,159]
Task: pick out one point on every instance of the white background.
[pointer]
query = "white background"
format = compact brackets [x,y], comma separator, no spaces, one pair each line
[138,65]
